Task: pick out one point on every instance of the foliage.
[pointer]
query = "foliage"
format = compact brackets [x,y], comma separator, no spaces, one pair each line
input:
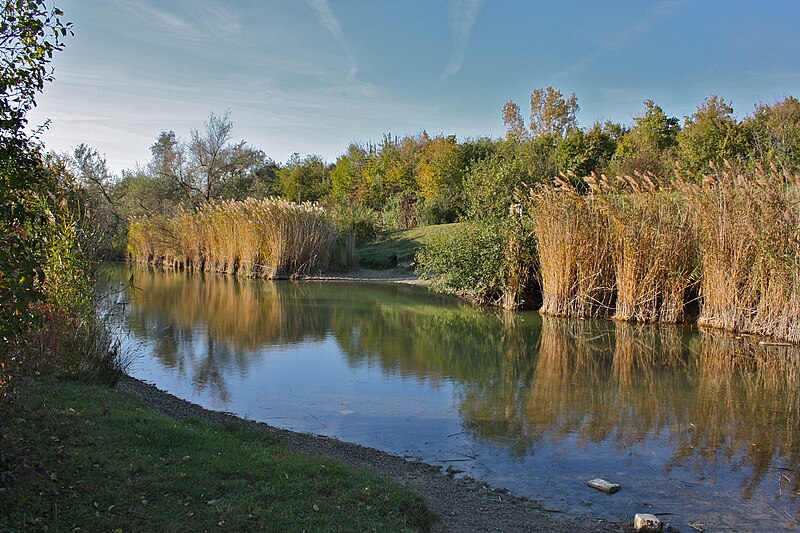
[361,222]
[467,262]
[304,180]
[711,135]
[649,146]
[551,115]
[31,33]
[774,134]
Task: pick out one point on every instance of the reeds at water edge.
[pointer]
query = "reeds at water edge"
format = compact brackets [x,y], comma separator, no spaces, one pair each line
[637,248]
[268,238]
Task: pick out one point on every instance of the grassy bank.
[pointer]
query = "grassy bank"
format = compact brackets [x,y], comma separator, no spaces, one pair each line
[400,247]
[88,457]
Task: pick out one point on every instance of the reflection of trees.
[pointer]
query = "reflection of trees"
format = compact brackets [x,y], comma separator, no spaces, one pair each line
[521,377]
[214,323]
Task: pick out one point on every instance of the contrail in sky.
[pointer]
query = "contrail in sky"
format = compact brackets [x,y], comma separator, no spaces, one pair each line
[463,14]
[327,18]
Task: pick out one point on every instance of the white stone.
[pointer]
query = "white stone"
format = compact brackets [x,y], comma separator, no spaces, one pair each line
[603,485]
[646,522]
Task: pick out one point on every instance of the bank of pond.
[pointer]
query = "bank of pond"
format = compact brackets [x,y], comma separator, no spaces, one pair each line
[722,250]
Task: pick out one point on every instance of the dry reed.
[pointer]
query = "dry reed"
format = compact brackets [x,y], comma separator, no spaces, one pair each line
[254,238]
[573,242]
[748,226]
[655,251]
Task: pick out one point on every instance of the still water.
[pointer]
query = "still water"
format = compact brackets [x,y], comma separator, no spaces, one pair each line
[701,428]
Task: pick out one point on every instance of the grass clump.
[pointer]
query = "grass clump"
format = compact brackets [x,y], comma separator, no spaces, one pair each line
[95,459]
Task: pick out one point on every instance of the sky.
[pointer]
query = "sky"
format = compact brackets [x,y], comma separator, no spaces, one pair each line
[312,76]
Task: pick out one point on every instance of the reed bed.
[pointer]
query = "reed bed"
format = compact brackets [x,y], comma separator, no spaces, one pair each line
[575,250]
[655,250]
[253,238]
[642,249]
[748,225]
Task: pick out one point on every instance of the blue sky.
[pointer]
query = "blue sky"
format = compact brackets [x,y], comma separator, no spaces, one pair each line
[312,76]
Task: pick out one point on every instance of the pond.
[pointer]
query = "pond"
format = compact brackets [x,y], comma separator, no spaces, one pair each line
[699,427]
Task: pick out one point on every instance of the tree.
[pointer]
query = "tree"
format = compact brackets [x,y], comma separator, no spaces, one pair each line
[515,124]
[304,179]
[30,33]
[650,144]
[711,134]
[774,133]
[210,167]
[347,175]
[209,153]
[584,152]
[552,114]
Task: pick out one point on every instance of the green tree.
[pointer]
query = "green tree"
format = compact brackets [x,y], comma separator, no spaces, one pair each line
[347,175]
[31,33]
[711,134]
[584,152]
[650,144]
[304,179]
[774,134]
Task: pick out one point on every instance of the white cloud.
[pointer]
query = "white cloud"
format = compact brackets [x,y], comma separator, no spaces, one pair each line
[463,14]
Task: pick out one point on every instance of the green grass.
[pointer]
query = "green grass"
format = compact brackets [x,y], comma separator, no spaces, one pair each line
[398,247]
[88,457]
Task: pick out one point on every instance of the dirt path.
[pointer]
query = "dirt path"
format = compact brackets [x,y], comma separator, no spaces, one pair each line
[462,504]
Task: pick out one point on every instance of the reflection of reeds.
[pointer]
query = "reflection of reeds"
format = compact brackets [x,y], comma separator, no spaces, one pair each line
[254,238]
[243,314]
[746,409]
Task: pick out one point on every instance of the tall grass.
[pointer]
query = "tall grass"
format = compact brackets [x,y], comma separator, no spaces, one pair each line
[748,225]
[642,249]
[254,238]
[655,250]
[575,251]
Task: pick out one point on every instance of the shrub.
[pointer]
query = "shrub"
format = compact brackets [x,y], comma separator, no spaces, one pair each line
[467,262]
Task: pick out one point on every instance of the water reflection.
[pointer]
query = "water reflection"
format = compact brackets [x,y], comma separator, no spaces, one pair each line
[725,408]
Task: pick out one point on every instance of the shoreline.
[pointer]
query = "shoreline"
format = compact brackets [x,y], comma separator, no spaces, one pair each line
[461,504]
[389,275]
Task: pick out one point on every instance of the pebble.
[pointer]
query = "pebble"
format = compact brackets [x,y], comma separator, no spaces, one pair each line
[647,522]
[603,485]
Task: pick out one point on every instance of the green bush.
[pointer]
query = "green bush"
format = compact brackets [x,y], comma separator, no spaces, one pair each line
[468,261]
[359,221]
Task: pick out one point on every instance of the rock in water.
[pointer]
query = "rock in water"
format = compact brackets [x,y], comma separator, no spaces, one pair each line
[603,485]
[646,522]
